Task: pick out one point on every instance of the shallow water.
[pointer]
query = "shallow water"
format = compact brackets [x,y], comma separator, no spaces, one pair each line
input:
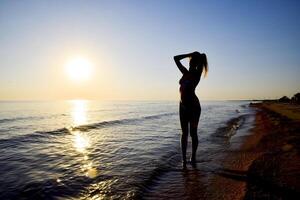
[120,150]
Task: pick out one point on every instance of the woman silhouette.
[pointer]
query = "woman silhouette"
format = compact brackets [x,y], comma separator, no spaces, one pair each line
[189,107]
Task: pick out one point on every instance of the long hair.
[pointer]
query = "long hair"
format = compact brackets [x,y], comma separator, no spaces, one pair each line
[201,61]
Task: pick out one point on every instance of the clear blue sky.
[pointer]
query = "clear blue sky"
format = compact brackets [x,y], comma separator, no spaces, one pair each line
[253,48]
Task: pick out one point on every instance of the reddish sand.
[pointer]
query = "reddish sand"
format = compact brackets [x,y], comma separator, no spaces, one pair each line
[267,166]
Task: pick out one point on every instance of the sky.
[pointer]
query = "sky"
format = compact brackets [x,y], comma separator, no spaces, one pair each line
[253,48]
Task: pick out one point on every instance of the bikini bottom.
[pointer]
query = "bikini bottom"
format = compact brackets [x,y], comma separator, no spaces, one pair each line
[190,112]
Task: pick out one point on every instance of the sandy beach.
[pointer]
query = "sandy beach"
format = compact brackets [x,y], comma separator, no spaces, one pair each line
[267,164]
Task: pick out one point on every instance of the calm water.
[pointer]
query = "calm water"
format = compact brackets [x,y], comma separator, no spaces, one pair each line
[119,150]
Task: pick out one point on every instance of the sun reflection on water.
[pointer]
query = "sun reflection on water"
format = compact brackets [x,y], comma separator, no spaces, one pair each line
[81,144]
[79,112]
[81,140]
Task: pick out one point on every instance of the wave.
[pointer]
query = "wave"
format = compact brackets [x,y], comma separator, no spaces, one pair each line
[5,120]
[97,125]
[66,130]
[14,119]
[167,163]
[231,127]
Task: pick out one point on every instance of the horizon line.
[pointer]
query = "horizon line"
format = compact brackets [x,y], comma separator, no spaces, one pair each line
[81,99]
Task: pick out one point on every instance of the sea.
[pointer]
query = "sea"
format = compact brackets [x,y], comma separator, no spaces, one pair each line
[81,149]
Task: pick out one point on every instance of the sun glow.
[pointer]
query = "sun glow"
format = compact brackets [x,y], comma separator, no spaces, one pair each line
[79,69]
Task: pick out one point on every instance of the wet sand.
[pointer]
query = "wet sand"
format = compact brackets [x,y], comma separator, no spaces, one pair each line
[267,165]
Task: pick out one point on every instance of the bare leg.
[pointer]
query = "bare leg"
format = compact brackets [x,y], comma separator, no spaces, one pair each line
[185,131]
[193,131]
[184,139]
[194,136]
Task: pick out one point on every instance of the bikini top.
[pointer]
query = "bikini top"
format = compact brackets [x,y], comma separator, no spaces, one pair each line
[187,81]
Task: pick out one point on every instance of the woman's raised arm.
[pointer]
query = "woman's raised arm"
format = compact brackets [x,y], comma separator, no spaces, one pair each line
[178,63]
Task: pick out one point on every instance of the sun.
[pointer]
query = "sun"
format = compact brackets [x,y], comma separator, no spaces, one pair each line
[79,69]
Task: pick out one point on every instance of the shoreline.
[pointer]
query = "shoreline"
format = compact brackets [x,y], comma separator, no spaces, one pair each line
[267,164]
